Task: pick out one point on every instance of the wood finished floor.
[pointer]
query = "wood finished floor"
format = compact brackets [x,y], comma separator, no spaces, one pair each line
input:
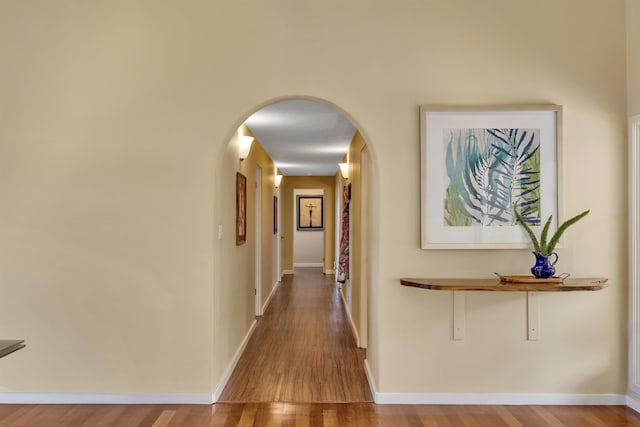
[302,349]
[316,414]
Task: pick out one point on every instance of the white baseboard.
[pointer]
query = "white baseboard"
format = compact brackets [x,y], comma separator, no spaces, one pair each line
[273,290]
[494,398]
[284,272]
[379,398]
[371,380]
[329,272]
[353,326]
[633,403]
[499,399]
[232,365]
[308,264]
[103,398]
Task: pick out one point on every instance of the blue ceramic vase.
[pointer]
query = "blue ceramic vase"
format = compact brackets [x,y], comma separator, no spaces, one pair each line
[544,268]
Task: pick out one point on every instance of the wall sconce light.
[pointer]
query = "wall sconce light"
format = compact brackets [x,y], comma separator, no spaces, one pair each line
[278,180]
[344,169]
[244,146]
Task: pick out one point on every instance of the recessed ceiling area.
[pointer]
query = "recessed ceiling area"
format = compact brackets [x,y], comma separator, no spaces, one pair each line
[302,137]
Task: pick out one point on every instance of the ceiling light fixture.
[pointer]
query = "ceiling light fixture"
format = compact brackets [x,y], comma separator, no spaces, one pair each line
[244,146]
[344,169]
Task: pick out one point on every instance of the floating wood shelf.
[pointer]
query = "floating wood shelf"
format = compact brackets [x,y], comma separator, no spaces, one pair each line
[460,286]
[568,285]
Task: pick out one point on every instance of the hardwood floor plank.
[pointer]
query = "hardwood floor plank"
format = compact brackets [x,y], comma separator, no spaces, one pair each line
[316,415]
[233,416]
[9,411]
[302,349]
[248,415]
[164,418]
[481,415]
[507,417]
[302,415]
[526,415]
[99,415]
[53,413]
[616,415]
[547,414]
[220,413]
[330,418]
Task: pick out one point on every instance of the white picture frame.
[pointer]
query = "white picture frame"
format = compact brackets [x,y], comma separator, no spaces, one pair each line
[478,161]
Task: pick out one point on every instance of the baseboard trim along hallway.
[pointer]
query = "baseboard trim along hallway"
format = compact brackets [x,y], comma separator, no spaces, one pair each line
[379,398]
[633,403]
[273,291]
[356,336]
[103,398]
[499,399]
[494,398]
[232,365]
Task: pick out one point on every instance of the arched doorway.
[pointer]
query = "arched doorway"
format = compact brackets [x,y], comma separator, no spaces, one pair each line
[237,263]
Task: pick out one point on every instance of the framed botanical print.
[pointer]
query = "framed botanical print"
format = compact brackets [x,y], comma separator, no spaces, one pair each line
[480,166]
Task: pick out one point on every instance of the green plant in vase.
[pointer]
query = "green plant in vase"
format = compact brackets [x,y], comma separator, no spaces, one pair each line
[543,248]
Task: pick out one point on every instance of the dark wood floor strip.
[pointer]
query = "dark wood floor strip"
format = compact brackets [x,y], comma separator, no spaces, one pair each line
[302,349]
[315,414]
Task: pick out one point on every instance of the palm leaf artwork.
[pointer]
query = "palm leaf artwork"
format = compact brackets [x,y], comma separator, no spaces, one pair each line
[491,173]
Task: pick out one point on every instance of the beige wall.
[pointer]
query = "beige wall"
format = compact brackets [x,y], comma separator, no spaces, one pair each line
[259,157]
[115,156]
[234,268]
[290,183]
[633,56]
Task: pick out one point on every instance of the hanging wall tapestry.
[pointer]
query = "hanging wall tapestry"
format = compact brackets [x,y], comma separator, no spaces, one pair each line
[343,257]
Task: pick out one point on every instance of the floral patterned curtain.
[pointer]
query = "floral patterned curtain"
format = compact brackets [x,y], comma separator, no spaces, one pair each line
[343,259]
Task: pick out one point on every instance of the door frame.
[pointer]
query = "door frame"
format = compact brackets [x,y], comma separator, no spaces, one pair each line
[634,255]
[364,256]
[279,237]
[308,191]
[258,243]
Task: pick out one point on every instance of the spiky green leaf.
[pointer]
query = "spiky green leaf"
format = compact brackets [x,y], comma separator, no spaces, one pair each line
[556,236]
[545,232]
[532,236]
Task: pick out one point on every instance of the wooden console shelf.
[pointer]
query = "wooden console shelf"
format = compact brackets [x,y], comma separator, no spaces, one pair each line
[577,284]
[460,286]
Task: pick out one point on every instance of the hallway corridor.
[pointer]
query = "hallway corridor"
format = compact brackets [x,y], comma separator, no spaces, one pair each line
[302,349]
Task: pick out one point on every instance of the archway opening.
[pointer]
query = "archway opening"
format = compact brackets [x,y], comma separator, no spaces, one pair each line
[301,128]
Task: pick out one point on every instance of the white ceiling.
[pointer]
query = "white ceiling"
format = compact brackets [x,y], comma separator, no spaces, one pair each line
[302,137]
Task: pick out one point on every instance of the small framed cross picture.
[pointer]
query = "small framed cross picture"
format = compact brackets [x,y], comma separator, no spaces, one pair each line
[310,213]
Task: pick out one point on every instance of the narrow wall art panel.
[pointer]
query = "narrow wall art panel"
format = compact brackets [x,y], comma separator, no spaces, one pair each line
[241,209]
